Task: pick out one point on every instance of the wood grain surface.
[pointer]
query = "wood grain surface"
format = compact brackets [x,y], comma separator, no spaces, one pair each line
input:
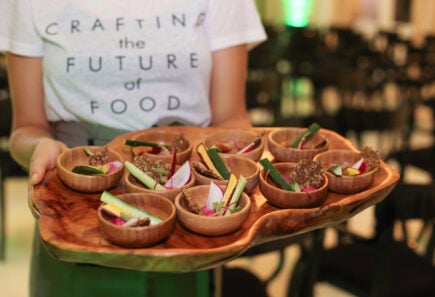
[69,226]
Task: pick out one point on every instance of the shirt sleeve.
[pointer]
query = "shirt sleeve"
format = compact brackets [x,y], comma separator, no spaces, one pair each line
[233,22]
[17,29]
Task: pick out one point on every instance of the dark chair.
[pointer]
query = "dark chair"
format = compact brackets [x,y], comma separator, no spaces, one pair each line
[389,125]
[369,106]
[304,55]
[383,266]
[265,79]
[380,265]
[263,98]
[238,282]
[302,280]
[267,55]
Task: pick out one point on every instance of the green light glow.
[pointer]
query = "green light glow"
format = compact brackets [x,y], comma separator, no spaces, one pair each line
[297,12]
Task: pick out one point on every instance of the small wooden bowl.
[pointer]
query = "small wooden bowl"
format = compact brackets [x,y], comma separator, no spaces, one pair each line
[287,135]
[344,184]
[132,185]
[211,225]
[165,138]
[76,156]
[237,165]
[240,138]
[289,199]
[135,237]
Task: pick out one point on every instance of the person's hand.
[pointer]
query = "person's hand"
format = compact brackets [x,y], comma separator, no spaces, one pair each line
[44,158]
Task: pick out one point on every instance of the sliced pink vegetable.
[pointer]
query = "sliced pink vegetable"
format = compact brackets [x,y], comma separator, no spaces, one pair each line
[309,189]
[113,166]
[224,147]
[247,148]
[180,177]
[215,195]
[173,163]
[117,221]
[207,212]
[113,218]
[301,144]
[360,165]
[164,151]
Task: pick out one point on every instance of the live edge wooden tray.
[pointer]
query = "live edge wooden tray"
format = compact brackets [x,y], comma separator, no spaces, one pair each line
[69,227]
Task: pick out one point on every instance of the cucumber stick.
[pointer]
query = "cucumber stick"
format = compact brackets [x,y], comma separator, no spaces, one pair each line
[240,187]
[147,180]
[87,170]
[275,174]
[213,153]
[109,198]
[306,135]
[143,143]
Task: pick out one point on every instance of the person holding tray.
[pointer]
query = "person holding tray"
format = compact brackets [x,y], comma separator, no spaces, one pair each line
[83,72]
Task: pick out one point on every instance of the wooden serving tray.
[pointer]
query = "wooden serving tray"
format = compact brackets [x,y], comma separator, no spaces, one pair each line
[69,227]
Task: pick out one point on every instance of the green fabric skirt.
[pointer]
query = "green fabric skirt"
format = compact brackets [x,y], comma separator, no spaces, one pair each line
[50,277]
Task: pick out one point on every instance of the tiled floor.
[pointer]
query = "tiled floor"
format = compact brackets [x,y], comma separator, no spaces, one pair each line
[14,269]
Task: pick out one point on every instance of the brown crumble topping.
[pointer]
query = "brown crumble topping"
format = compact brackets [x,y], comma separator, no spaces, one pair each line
[179,142]
[99,157]
[140,222]
[205,171]
[191,203]
[308,173]
[372,158]
[149,166]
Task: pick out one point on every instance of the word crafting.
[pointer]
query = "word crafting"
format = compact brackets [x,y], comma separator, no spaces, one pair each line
[119,24]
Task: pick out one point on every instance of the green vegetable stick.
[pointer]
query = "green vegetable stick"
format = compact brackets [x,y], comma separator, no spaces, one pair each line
[87,170]
[240,187]
[109,198]
[143,143]
[88,151]
[306,135]
[213,153]
[274,173]
[147,180]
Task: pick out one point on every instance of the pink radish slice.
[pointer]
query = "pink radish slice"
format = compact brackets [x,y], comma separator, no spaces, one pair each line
[247,148]
[113,166]
[180,177]
[360,165]
[215,195]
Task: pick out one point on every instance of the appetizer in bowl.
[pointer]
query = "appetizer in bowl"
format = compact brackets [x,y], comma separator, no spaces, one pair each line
[161,145]
[294,144]
[155,176]
[89,169]
[243,143]
[217,168]
[135,220]
[349,171]
[213,210]
[293,185]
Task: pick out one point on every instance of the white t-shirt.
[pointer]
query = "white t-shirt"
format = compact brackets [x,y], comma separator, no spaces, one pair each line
[127,64]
